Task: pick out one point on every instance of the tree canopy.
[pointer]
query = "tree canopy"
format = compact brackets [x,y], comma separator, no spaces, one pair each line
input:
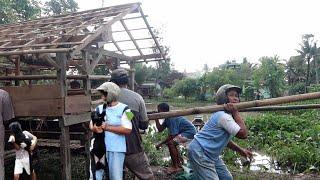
[19,10]
[57,7]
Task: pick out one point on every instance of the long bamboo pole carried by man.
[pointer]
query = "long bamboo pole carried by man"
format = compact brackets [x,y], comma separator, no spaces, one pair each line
[242,105]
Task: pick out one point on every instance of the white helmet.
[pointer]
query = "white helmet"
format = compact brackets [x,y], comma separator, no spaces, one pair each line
[221,95]
[112,89]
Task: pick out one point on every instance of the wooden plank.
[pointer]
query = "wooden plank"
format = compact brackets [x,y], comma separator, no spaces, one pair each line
[77,104]
[76,118]
[61,73]
[34,92]
[76,92]
[40,77]
[39,108]
[74,144]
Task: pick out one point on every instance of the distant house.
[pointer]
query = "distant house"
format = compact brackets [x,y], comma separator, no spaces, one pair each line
[150,89]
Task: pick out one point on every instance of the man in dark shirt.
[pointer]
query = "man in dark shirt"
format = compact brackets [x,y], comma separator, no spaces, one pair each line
[181,132]
[136,160]
[7,113]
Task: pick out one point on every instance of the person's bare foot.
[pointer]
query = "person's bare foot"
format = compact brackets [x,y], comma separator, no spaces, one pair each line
[172,170]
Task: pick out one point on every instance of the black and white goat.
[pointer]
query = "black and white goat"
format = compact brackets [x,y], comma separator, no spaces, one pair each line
[98,147]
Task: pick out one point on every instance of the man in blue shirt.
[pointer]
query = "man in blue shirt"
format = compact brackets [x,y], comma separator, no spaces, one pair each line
[181,131]
[205,149]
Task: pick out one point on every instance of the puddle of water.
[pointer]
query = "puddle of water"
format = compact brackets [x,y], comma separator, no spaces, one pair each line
[262,162]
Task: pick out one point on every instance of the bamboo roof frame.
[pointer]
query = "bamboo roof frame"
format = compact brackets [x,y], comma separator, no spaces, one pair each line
[70,34]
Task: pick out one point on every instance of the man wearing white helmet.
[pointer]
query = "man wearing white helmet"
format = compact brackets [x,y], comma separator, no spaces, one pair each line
[136,160]
[117,124]
[205,149]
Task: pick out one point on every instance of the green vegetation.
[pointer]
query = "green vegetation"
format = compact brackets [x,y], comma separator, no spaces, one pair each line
[291,138]
[149,141]
[22,10]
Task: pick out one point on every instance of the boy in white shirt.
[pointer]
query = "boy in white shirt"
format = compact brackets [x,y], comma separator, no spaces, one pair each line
[24,142]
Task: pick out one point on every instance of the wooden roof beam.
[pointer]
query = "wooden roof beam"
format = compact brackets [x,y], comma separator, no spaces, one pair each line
[116,55]
[95,61]
[140,48]
[133,29]
[131,37]
[36,51]
[149,56]
[116,45]
[137,39]
[151,32]
[137,17]
[40,77]
[49,60]
[102,28]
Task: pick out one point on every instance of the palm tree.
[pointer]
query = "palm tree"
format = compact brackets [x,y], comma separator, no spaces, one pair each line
[308,50]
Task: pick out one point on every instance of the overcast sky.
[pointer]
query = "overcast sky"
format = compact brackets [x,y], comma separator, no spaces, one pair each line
[212,31]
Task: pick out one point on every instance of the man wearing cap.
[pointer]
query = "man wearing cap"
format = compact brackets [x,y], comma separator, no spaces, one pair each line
[6,110]
[136,159]
[205,149]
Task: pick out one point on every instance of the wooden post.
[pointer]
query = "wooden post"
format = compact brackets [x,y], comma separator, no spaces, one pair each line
[65,136]
[17,72]
[87,137]
[132,74]
[65,155]
[87,88]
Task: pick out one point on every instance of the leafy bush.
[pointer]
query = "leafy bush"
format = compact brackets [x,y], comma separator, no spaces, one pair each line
[297,88]
[149,140]
[168,93]
[293,139]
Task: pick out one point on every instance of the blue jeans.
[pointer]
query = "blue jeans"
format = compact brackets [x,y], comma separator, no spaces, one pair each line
[205,168]
[99,174]
[115,162]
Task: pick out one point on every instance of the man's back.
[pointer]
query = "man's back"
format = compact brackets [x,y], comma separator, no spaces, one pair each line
[134,101]
[180,125]
[6,110]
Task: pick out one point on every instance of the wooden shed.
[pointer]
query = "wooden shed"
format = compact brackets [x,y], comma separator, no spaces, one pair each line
[39,57]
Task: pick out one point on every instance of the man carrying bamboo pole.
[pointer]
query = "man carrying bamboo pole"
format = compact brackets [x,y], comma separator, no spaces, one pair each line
[204,151]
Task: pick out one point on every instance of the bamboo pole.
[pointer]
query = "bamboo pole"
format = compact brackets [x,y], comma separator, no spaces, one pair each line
[281,108]
[240,106]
